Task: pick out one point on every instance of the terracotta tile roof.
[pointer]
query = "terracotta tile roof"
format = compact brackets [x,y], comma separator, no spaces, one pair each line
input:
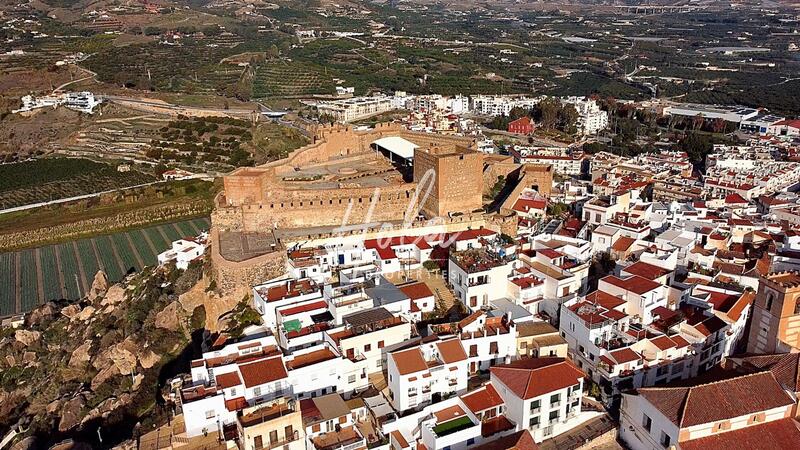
[303,308]
[549,253]
[720,400]
[409,361]
[633,283]
[263,371]
[645,270]
[784,366]
[482,399]
[465,322]
[622,244]
[416,291]
[605,299]
[228,380]
[529,378]
[310,358]
[400,439]
[451,351]
[289,289]
[624,355]
[663,343]
[524,205]
[521,440]
[774,435]
[449,413]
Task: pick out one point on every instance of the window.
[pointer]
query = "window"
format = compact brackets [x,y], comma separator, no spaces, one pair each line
[380,344]
[379,364]
[258,442]
[473,351]
[367,348]
[554,399]
[288,431]
[665,440]
[233,392]
[273,437]
[493,348]
[257,391]
[553,416]
[210,414]
[647,422]
[535,405]
[534,423]
[770,298]
[470,441]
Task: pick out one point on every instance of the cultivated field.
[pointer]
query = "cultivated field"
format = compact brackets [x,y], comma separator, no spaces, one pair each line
[31,277]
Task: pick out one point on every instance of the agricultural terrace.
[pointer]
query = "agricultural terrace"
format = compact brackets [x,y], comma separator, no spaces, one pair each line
[49,179]
[31,277]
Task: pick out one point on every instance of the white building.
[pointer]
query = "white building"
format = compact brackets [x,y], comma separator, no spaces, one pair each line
[425,373]
[184,251]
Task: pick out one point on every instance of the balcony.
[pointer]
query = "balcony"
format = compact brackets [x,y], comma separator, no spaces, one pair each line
[555,405]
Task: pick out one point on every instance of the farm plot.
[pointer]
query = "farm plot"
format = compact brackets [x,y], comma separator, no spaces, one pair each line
[50,279]
[70,270]
[8,282]
[140,242]
[41,276]
[125,252]
[110,262]
[281,79]
[28,280]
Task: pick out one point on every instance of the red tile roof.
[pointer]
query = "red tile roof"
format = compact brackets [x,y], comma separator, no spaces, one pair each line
[622,244]
[482,399]
[409,361]
[526,204]
[720,400]
[550,253]
[624,355]
[451,351]
[633,283]
[777,434]
[521,440]
[228,380]
[605,299]
[416,291]
[529,378]
[262,372]
[645,270]
[303,308]
[289,289]
[495,425]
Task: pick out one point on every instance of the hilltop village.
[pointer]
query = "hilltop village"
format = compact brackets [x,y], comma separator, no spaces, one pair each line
[402,305]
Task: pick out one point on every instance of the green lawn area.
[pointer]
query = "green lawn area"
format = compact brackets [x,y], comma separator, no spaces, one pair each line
[452,426]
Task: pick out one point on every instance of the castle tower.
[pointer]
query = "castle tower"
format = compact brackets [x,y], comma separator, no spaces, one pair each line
[775,319]
[457,181]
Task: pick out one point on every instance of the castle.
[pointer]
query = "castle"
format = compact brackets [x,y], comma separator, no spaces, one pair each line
[344,178]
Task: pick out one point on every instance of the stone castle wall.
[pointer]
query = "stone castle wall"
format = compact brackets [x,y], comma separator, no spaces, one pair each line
[230,275]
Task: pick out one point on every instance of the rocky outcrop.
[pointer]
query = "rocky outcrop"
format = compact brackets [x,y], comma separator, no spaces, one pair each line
[85,314]
[114,296]
[71,414]
[80,356]
[71,311]
[26,337]
[99,285]
[171,317]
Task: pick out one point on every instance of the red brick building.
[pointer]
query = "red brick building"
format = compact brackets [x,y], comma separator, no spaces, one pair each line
[523,125]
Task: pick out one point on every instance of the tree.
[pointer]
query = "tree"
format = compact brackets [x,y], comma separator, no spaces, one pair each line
[273,52]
